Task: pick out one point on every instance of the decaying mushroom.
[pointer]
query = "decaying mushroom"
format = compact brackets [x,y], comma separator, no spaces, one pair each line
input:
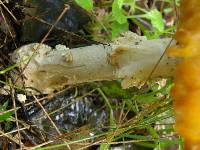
[130,57]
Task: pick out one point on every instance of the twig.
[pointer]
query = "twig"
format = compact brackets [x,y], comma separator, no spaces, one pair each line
[7,133]
[47,115]
[15,110]
[10,137]
[77,99]
[9,11]
[44,38]
[159,60]
[9,30]
[30,103]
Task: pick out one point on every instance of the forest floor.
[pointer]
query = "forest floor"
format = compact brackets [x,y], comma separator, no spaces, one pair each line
[99,115]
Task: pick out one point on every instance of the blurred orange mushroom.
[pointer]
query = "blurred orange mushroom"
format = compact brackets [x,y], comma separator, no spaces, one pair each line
[186,92]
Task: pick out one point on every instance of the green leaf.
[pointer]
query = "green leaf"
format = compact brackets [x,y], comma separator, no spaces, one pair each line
[168,10]
[6,116]
[152,34]
[118,28]
[85,4]
[117,12]
[149,97]
[156,19]
[113,89]
[120,3]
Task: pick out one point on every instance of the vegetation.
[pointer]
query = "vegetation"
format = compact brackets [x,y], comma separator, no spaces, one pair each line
[150,22]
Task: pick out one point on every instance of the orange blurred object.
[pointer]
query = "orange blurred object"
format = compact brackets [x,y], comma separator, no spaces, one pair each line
[186,92]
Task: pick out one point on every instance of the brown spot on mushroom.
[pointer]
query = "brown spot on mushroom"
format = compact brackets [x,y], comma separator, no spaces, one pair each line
[113,57]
